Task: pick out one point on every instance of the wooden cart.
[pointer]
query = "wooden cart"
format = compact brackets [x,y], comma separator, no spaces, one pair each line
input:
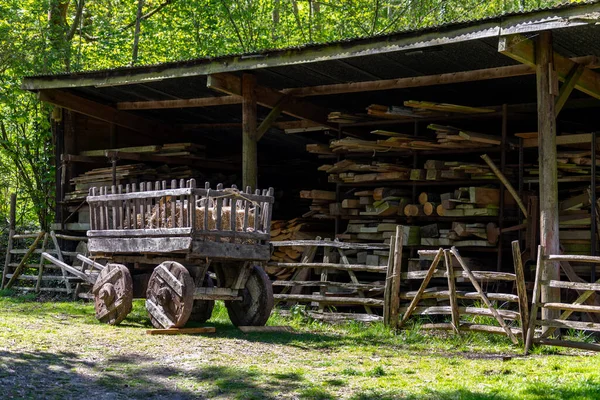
[160,242]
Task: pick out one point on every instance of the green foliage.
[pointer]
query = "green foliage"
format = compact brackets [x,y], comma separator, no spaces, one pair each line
[49,36]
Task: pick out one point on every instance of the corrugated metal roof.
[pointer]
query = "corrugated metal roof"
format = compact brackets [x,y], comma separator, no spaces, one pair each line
[314,46]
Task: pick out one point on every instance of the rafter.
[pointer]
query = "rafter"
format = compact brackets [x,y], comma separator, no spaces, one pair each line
[522,49]
[268,97]
[180,103]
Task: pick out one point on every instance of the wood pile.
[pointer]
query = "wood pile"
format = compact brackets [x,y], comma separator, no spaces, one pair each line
[294,229]
[320,205]
[446,137]
[352,171]
[188,150]
[103,177]
[575,221]
[391,203]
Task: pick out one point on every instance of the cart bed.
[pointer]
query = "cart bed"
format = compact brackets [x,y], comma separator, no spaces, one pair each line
[198,222]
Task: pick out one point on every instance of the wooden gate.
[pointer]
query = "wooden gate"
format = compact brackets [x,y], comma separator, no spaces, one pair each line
[461,301]
[585,290]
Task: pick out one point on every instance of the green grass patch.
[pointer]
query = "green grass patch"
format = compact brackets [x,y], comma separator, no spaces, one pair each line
[57,349]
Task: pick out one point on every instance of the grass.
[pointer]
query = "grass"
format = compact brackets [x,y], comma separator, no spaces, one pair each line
[57,350]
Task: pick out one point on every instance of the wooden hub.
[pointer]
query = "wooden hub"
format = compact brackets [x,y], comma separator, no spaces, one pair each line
[170,295]
[113,294]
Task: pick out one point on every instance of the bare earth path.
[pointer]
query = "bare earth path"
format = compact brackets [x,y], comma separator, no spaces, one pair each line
[58,351]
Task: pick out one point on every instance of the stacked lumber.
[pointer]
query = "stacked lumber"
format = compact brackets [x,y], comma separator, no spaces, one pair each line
[570,164]
[423,106]
[458,138]
[471,201]
[395,112]
[574,222]
[343,118]
[459,235]
[349,171]
[297,229]
[352,171]
[321,200]
[294,229]
[446,137]
[188,150]
[125,174]
[443,170]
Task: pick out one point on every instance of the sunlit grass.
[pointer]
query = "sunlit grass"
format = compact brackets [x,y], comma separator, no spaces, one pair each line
[60,345]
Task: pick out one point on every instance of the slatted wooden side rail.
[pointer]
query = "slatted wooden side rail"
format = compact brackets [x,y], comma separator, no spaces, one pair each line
[454,296]
[155,209]
[358,291]
[550,326]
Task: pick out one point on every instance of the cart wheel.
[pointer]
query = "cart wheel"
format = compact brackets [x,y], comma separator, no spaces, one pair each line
[113,294]
[257,301]
[170,295]
[202,309]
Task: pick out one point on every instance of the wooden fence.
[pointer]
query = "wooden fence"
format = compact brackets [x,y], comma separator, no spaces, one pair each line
[338,284]
[460,301]
[586,292]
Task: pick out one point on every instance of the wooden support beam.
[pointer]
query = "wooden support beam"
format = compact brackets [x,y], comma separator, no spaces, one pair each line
[427,80]
[249,148]
[567,87]
[524,50]
[268,97]
[548,171]
[102,112]
[179,103]
[270,119]
[300,124]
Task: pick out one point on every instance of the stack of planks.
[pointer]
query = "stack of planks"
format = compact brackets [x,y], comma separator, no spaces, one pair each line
[103,176]
[352,171]
[188,150]
[349,171]
[446,137]
[574,221]
[320,205]
[434,170]
[460,234]
[455,137]
[465,202]
[294,229]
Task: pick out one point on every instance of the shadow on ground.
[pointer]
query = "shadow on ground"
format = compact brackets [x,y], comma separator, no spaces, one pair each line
[65,375]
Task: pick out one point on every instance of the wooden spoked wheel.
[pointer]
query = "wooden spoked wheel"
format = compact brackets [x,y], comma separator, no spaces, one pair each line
[170,295]
[113,294]
[257,300]
[202,309]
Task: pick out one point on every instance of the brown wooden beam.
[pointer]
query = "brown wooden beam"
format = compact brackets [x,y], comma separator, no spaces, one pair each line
[270,119]
[238,125]
[102,112]
[249,142]
[523,50]
[546,95]
[181,103]
[427,80]
[268,97]
[567,88]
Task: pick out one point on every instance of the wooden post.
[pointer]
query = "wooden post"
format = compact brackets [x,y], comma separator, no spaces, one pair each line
[521,288]
[396,275]
[452,292]
[11,233]
[387,294]
[547,85]
[249,156]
